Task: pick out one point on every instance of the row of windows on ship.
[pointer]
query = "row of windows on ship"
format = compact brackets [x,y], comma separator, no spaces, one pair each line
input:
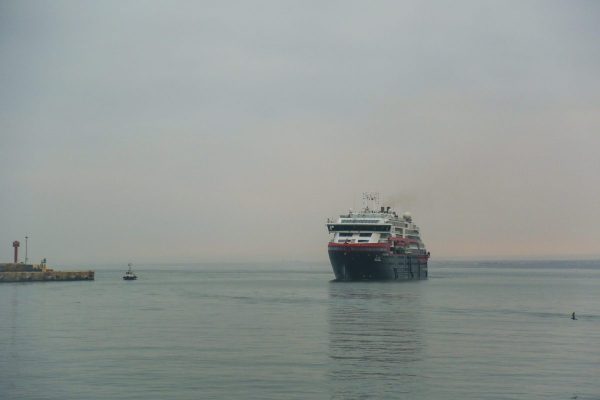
[375,221]
[366,237]
[412,234]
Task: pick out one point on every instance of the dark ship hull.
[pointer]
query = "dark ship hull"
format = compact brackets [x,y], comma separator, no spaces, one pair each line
[354,263]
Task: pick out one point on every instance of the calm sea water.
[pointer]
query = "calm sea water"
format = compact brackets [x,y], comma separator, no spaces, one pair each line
[472,331]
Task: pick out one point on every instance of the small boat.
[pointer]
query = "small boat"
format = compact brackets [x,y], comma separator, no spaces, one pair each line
[129,275]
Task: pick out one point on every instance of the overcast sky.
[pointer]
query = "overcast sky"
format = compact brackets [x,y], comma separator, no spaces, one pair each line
[228,131]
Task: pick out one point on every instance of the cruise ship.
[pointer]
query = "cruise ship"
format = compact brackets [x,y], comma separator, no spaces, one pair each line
[376,243]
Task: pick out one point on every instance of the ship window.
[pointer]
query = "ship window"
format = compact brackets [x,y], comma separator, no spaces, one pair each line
[363,241]
[358,227]
[365,234]
[345,234]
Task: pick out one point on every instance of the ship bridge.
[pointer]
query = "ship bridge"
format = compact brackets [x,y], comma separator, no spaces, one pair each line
[380,226]
[364,227]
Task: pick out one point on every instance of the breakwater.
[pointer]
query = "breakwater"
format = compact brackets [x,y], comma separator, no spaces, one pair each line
[40,273]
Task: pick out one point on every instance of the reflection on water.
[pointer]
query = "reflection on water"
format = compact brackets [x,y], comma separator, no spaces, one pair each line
[9,365]
[375,340]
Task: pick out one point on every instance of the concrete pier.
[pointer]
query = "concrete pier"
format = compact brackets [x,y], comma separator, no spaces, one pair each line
[39,273]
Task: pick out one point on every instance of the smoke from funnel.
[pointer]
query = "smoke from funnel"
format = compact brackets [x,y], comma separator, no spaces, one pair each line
[401,201]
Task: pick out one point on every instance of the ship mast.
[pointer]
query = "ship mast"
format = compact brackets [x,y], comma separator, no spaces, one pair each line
[371,201]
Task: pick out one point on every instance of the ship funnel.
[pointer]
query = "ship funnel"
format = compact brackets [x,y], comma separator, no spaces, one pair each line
[388,209]
[382,209]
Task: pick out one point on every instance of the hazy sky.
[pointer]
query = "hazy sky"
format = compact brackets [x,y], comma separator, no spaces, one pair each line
[228,131]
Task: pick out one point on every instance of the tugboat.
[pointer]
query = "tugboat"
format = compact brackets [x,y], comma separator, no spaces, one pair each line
[376,244]
[129,275]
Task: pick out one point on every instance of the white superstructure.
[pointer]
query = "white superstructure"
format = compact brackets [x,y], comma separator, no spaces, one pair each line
[376,226]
